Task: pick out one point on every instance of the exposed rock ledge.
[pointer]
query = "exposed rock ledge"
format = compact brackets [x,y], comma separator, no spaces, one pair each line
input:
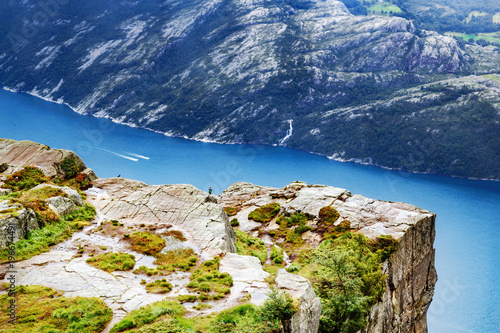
[411,275]
[410,271]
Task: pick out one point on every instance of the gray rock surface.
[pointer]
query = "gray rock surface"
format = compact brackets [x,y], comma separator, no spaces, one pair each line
[185,207]
[15,219]
[306,319]
[61,205]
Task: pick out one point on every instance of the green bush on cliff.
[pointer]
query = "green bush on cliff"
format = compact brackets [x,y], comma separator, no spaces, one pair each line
[348,279]
[265,213]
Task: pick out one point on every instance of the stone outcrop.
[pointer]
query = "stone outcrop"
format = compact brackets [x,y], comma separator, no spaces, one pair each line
[306,319]
[410,270]
[185,207]
[15,220]
[17,154]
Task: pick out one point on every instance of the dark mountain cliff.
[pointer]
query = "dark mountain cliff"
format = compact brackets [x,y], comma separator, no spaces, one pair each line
[305,74]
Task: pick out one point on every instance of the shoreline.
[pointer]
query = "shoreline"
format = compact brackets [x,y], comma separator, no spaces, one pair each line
[205,140]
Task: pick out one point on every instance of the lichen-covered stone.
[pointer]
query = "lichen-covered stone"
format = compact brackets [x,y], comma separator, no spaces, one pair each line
[15,220]
[306,319]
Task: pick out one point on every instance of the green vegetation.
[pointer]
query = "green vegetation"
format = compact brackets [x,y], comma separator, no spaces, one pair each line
[276,255]
[384,8]
[43,309]
[235,222]
[25,179]
[346,275]
[250,246]
[149,314]
[291,229]
[328,215]
[338,230]
[70,167]
[383,246]
[45,193]
[40,240]
[209,282]
[265,213]
[231,211]
[167,316]
[479,38]
[110,262]
[180,259]
[145,242]
[159,287]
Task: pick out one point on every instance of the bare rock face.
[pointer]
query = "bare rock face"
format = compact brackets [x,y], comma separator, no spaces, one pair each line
[27,153]
[185,207]
[306,319]
[15,221]
[411,275]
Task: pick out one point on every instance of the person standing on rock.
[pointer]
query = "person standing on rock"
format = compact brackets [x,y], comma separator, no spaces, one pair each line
[210,190]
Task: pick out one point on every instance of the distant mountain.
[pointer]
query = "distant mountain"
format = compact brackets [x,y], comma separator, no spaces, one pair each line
[310,75]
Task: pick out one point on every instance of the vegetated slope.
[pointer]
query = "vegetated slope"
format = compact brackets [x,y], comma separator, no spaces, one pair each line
[356,87]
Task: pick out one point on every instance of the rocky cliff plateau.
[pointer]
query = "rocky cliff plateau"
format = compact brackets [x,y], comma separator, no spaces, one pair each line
[306,74]
[201,218]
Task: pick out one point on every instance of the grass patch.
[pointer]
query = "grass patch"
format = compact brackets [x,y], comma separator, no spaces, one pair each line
[148,314]
[111,262]
[45,193]
[209,282]
[265,213]
[384,8]
[231,211]
[159,287]
[180,259]
[250,246]
[291,229]
[40,240]
[492,37]
[145,242]
[42,309]
[235,222]
[25,179]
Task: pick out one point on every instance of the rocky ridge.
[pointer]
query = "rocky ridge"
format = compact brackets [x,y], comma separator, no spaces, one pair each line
[200,217]
[410,271]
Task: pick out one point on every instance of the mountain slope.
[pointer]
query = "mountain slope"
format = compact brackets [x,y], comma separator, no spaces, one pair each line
[304,74]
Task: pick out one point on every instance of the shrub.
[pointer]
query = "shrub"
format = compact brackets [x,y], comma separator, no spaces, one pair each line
[70,167]
[279,306]
[235,222]
[328,215]
[294,267]
[384,246]
[265,213]
[25,179]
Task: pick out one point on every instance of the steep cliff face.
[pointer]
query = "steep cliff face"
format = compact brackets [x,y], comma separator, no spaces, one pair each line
[237,71]
[410,271]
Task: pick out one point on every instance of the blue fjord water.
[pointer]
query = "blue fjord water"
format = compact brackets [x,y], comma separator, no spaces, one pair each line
[467,295]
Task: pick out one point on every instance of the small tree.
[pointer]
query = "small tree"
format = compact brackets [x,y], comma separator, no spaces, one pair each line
[279,307]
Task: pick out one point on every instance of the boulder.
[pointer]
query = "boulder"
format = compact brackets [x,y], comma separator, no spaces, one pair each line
[306,319]
[61,205]
[15,222]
